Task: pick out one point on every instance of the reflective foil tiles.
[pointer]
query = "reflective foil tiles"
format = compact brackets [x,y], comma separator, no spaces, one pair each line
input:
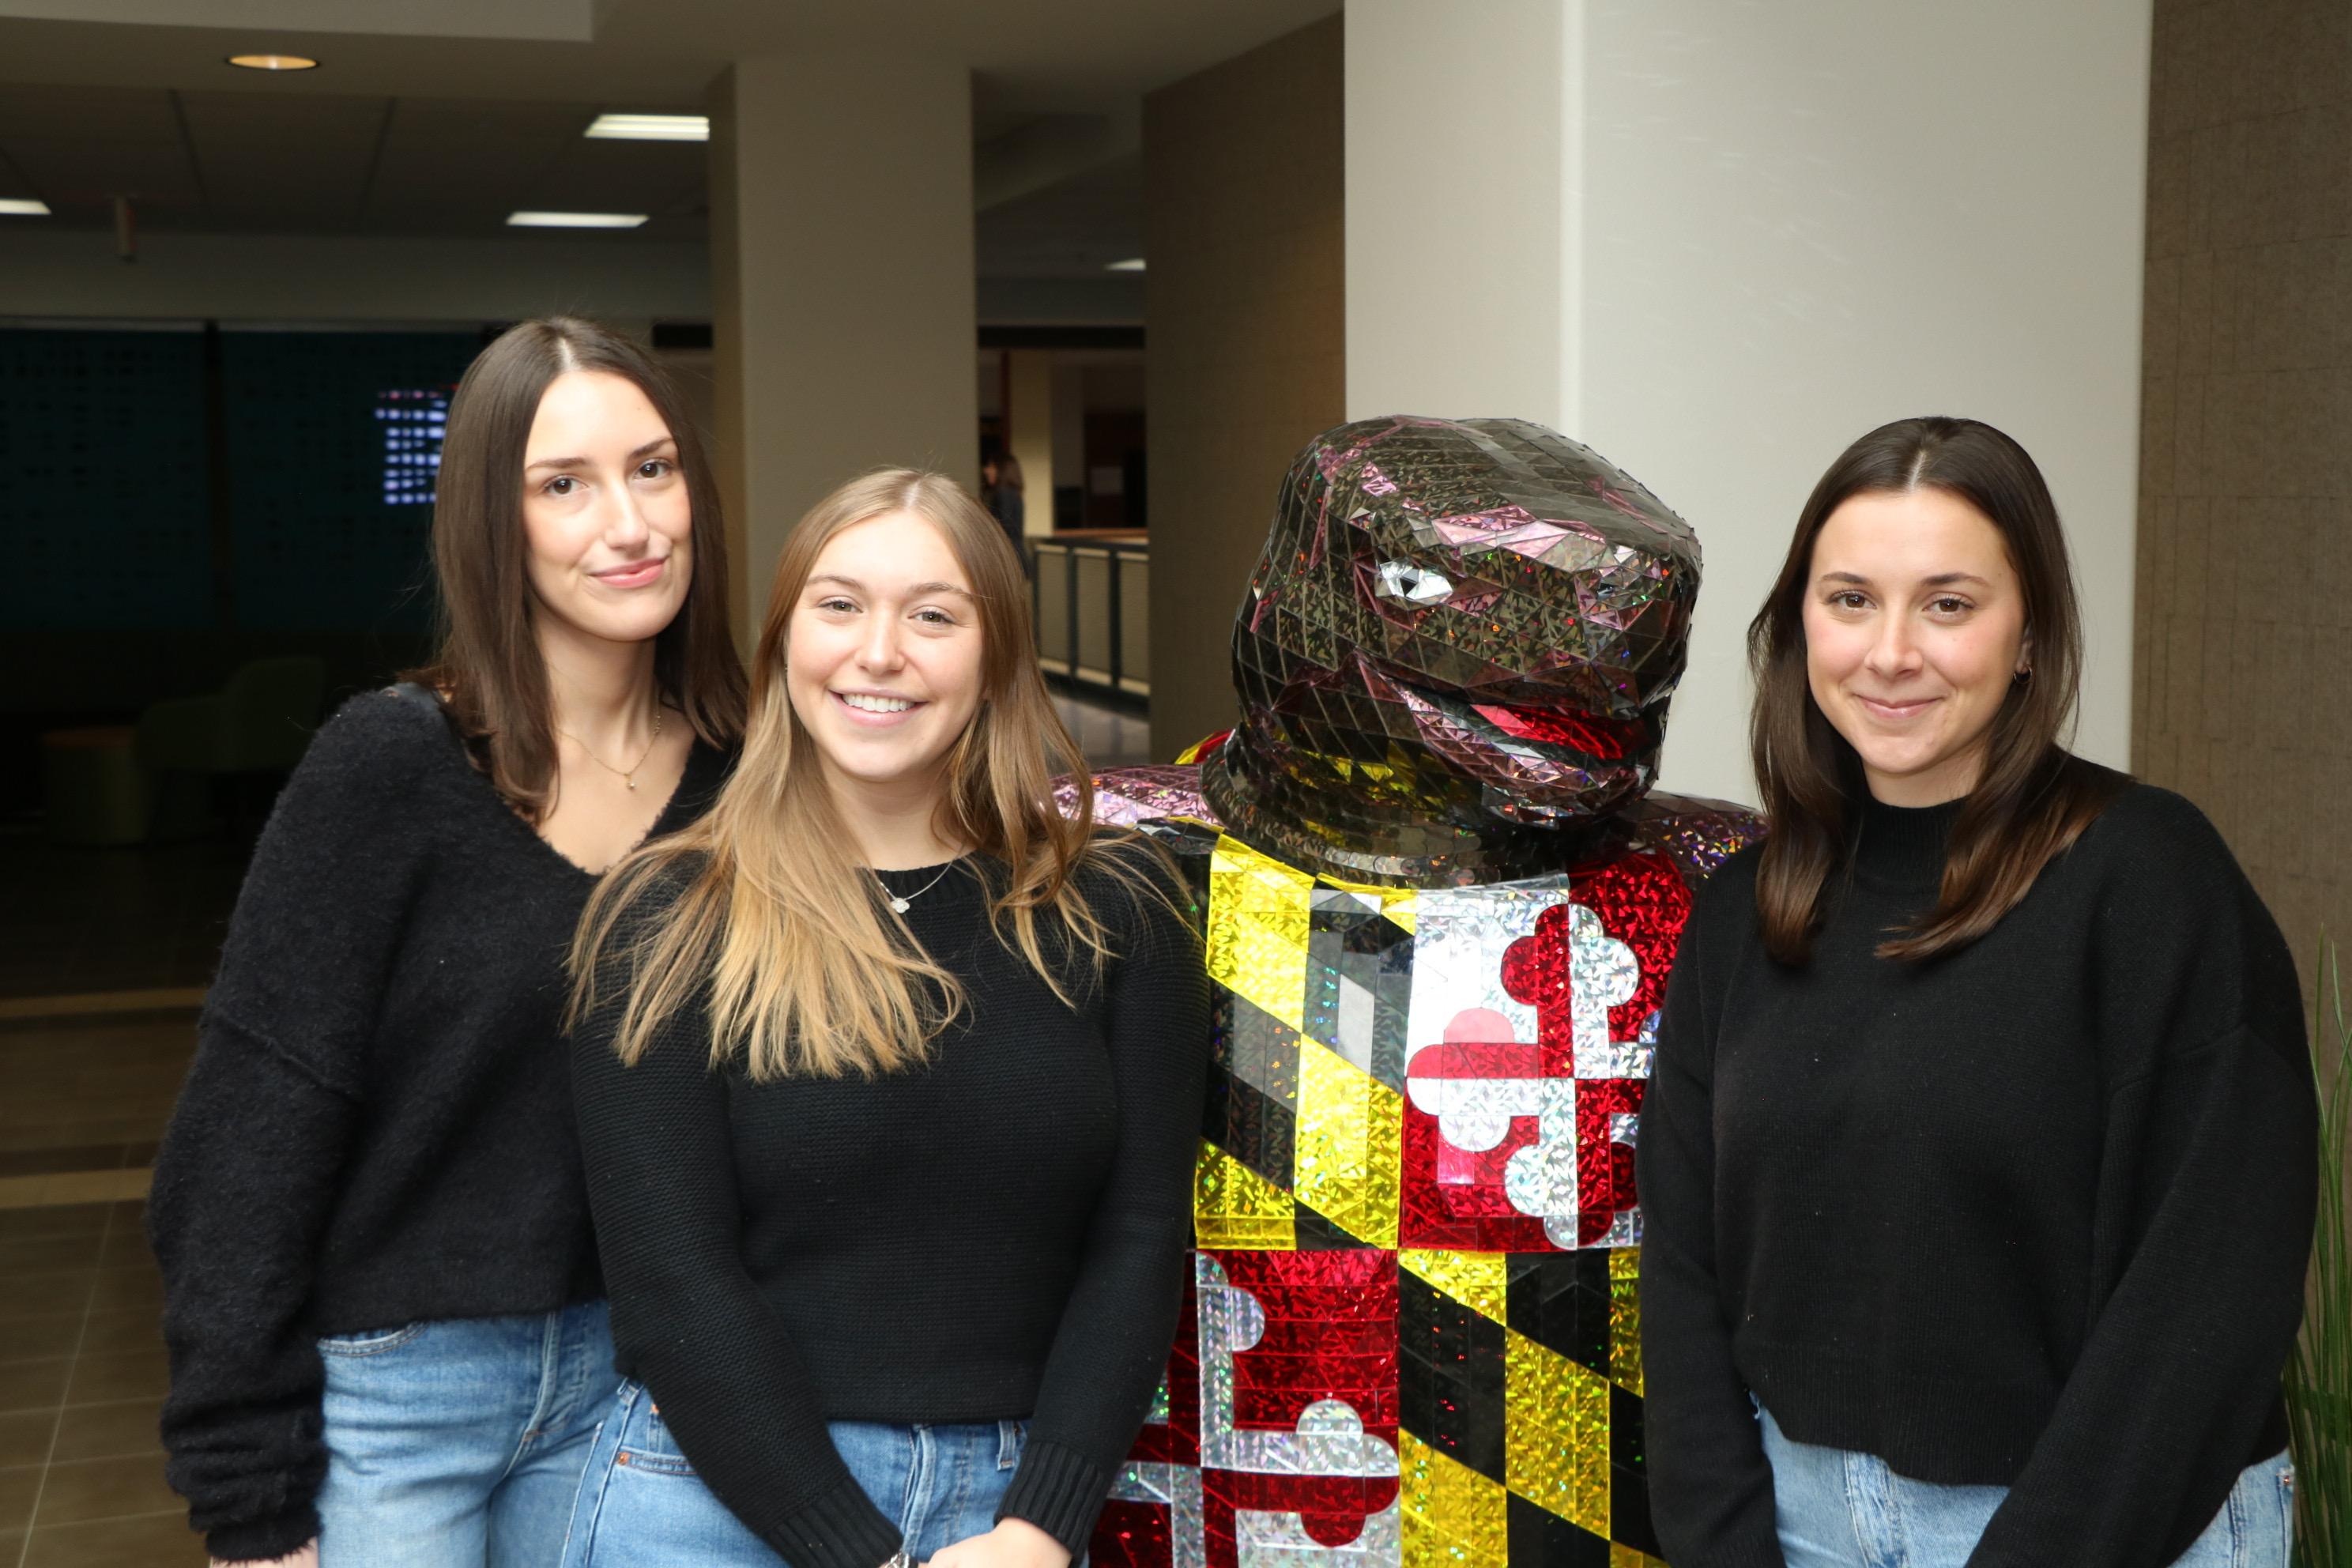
[1412,1336]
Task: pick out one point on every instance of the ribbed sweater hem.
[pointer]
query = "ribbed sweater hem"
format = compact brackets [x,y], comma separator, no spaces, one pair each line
[842,1529]
[260,1540]
[1060,1491]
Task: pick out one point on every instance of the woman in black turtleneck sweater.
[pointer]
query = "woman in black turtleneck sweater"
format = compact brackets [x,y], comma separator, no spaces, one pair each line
[1979,1163]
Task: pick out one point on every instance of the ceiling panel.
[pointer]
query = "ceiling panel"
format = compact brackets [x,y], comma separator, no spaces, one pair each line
[460,165]
[78,147]
[284,164]
[1073,229]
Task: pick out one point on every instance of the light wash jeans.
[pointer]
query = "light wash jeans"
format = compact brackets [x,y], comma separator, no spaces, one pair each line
[642,1505]
[459,1443]
[1838,1509]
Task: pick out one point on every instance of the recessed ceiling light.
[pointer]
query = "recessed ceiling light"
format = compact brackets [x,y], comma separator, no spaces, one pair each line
[651,128]
[274,62]
[1132,264]
[24,206]
[575,220]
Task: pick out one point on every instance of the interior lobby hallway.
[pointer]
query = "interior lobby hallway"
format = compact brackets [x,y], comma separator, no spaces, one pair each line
[103,957]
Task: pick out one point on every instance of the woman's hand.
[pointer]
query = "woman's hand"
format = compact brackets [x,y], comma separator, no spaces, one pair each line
[1013,1543]
[300,1557]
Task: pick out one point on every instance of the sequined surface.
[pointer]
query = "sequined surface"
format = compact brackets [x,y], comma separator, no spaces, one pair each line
[1440,908]
[1458,645]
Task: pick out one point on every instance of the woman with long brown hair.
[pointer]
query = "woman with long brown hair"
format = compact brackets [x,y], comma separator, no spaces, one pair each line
[890,1081]
[1977,1166]
[381,1291]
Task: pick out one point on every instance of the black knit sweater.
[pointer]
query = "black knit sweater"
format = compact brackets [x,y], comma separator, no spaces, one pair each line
[2035,1214]
[998,1234]
[377,1128]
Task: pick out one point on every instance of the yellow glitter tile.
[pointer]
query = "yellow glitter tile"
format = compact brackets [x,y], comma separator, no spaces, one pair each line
[1396,903]
[1555,1434]
[1234,1206]
[1349,1145]
[1258,916]
[1620,1556]
[1479,1280]
[1454,1516]
[1625,1319]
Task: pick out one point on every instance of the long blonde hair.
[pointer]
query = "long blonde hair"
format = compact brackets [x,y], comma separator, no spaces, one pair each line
[809,971]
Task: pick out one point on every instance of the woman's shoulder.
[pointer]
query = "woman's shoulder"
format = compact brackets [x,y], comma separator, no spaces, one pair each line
[1134,886]
[2150,836]
[379,746]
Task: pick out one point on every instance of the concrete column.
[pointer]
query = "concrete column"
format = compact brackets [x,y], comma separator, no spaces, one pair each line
[1242,172]
[842,275]
[1030,417]
[1718,242]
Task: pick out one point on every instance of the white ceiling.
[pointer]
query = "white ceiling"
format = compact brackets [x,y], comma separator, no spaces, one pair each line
[410,131]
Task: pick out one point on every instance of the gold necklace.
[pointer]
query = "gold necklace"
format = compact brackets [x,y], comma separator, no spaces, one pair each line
[629,774]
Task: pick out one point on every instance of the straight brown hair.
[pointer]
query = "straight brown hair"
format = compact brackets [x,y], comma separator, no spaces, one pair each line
[2033,798]
[488,668]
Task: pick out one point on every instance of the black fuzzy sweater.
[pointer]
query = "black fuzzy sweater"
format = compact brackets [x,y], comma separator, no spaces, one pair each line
[2035,1214]
[996,1235]
[377,1128]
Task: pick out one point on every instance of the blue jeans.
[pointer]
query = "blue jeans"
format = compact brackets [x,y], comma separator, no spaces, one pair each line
[1844,1510]
[642,1505]
[459,1443]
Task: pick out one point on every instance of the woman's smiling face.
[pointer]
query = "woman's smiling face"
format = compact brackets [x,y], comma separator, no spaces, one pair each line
[605,511]
[883,656]
[1914,628]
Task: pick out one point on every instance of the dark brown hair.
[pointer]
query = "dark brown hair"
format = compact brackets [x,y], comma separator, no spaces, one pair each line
[2033,798]
[488,668]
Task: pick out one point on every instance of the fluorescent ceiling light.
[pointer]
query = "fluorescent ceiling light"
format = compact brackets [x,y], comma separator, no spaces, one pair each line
[651,128]
[24,206]
[575,220]
[274,62]
[1132,264]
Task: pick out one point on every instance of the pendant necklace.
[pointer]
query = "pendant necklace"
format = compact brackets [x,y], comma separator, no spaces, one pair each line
[629,774]
[900,904]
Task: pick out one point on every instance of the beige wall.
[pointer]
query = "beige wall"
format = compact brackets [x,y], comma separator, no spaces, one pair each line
[843,318]
[1245,313]
[2242,689]
[1728,239]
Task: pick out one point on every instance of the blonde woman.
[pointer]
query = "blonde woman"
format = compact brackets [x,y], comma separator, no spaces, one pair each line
[889,1080]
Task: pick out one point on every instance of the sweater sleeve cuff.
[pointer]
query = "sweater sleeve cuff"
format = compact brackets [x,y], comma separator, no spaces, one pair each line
[260,1540]
[842,1529]
[1060,1491]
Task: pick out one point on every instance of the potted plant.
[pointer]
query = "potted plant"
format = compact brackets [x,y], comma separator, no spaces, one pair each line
[2319,1378]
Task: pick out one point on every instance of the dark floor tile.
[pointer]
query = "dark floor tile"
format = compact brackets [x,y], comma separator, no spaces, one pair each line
[85,1489]
[24,1441]
[65,1219]
[18,1486]
[113,1329]
[33,1384]
[154,1541]
[53,1291]
[126,1247]
[139,1287]
[49,1254]
[105,1431]
[36,1336]
[40,1161]
[121,1375]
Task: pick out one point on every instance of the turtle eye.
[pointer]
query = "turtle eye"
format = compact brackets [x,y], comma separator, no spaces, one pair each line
[1413,583]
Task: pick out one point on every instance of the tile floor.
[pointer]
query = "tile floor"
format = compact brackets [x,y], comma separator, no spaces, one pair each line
[103,956]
